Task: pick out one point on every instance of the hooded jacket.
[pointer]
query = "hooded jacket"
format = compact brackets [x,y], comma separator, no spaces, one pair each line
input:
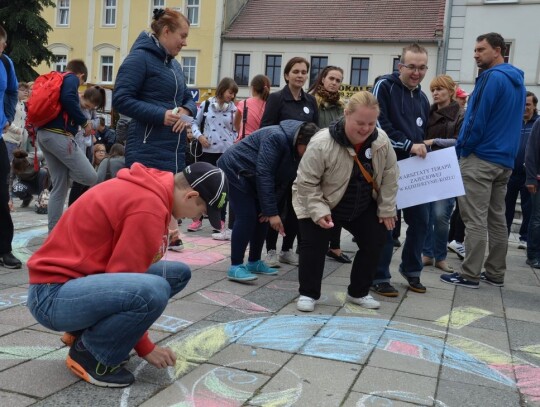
[492,125]
[264,163]
[404,113]
[8,92]
[325,170]
[149,83]
[519,162]
[112,241]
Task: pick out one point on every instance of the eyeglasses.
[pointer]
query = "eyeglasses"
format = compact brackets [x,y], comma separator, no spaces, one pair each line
[413,68]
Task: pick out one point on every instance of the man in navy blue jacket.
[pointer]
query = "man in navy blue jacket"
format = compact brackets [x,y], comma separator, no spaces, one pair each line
[8,101]
[487,146]
[404,115]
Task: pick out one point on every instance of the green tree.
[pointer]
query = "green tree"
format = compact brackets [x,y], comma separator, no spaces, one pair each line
[27,35]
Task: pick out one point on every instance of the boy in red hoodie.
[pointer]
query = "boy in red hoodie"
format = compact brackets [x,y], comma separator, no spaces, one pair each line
[99,276]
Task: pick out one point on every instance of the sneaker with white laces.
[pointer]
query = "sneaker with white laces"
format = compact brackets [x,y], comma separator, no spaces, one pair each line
[457,248]
[225,234]
[456,279]
[195,226]
[522,244]
[305,304]
[288,257]
[484,278]
[259,267]
[271,259]
[366,302]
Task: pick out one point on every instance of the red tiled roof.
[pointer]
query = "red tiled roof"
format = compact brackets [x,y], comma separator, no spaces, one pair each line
[339,20]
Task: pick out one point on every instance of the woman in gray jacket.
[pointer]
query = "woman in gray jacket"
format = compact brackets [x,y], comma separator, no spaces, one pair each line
[347,177]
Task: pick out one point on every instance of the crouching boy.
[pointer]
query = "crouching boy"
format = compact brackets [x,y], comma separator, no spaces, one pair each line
[99,277]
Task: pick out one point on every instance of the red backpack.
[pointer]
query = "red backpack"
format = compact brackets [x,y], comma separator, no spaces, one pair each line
[44,102]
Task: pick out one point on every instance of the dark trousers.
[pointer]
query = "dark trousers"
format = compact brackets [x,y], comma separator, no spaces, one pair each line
[457,227]
[6,224]
[335,237]
[290,224]
[515,186]
[247,228]
[370,237]
[212,158]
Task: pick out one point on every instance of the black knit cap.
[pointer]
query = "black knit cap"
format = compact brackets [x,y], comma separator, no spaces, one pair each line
[211,184]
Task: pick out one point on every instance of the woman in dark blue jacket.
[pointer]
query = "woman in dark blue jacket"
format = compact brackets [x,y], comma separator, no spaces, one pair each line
[260,169]
[150,88]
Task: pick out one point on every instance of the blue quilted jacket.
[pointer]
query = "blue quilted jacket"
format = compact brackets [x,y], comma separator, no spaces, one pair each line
[265,163]
[149,83]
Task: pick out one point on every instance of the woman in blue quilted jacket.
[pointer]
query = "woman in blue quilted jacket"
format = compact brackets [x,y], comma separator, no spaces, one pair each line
[150,88]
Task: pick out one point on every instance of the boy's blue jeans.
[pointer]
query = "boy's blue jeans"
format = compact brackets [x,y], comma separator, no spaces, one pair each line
[113,309]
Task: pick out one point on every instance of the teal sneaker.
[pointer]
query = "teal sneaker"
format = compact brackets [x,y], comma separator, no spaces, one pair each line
[239,273]
[260,267]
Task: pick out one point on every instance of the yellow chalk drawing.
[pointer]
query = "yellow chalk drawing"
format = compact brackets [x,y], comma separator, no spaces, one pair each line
[198,348]
[462,316]
[483,353]
[533,350]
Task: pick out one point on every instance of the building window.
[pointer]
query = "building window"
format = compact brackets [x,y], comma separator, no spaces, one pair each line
[359,71]
[192,11]
[273,69]
[395,64]
[109,12]
[158,4]
[62,7]
[189,66]
[317,65]
[60,63]
[107,66]
[241,69]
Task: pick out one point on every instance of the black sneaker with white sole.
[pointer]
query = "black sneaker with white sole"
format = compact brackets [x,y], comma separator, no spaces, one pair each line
[83,364]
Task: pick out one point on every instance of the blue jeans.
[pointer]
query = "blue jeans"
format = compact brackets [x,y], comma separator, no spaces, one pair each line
[113,309]
[416,217]
[439,224]
[246,228]
[533,236]
[515,186]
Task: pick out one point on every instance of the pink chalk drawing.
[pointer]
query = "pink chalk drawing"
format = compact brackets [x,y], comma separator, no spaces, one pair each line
[233,301]
[527,378]
[404,348]
[195,257]
[284,285]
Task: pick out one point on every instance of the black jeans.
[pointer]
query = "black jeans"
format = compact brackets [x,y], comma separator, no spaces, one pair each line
[370,237]
[6,224]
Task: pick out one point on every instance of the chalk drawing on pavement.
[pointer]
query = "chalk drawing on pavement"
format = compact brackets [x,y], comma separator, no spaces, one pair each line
[233,301]
[8,300]
[462,316]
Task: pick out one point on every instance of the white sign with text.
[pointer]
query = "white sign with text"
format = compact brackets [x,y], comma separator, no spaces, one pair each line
[429,179]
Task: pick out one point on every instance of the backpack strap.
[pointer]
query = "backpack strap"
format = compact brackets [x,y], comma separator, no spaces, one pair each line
[205,110]
[7,66]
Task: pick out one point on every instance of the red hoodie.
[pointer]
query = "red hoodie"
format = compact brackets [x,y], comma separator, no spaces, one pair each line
[117,226]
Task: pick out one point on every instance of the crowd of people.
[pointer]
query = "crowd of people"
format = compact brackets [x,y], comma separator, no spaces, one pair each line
[300,164]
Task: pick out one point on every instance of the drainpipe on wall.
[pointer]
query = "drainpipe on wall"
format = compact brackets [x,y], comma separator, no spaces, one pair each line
[448,22]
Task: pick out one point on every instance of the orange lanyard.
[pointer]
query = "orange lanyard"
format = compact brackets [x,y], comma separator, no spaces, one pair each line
[366,174]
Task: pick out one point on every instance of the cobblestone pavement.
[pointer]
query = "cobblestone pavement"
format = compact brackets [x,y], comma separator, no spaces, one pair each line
[246,344]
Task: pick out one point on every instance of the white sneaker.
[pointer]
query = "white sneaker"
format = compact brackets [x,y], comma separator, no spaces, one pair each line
[457,248]
[225,234]
[271,259]
[367,302]
[522,245]
[289,257]
[305,304]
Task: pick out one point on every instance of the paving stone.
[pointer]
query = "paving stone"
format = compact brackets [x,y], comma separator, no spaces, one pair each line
[421,307]
[270,299]
[485,337]
[391,360]
[483,298]
[15,400]
[190,311]
[523,333]
[462,394]
[377,399]
[302,381]
[490,322]
[17,316]
[396,385]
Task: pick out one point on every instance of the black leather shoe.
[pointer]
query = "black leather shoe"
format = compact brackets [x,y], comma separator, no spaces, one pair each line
[397,243]
[414,283]
[9,261]
[342,258]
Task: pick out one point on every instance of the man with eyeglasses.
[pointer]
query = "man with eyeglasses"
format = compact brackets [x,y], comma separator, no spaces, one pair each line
[487,146]
[404,114]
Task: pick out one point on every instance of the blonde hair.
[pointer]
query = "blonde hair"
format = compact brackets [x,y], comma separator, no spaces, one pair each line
[362,98]
[445,82]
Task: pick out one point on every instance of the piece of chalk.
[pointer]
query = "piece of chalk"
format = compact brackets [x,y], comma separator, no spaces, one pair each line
[331,224]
